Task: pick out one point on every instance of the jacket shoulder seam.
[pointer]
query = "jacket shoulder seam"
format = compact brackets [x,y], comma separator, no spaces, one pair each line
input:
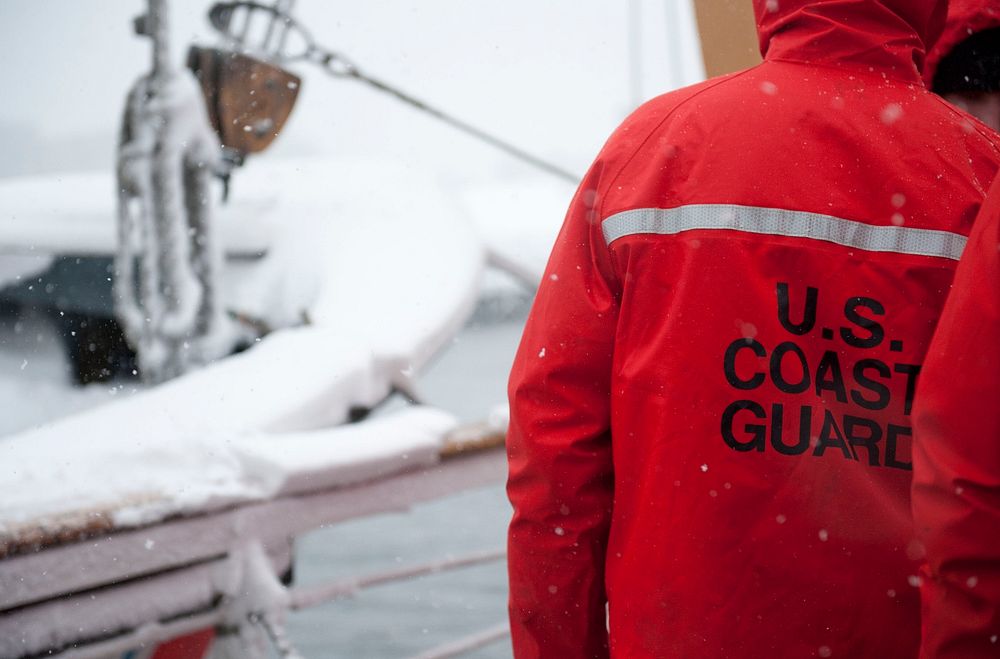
[628,160]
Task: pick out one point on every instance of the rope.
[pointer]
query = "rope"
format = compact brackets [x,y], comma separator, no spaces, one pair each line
[169,305]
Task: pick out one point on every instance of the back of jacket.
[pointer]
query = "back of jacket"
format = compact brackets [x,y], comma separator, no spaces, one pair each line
[710,407]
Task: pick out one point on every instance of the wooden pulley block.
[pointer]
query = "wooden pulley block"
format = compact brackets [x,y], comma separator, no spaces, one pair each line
[248,100]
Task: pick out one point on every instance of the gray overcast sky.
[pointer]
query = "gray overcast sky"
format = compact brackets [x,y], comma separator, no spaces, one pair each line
[550,75]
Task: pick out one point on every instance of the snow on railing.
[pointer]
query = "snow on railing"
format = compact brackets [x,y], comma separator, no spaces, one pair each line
[226,579]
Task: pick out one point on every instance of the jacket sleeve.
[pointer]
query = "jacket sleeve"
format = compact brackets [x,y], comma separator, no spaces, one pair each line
[559,446]
[956,461]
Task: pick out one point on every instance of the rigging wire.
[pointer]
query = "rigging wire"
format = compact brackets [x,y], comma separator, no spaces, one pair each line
[337,66]
[222,15]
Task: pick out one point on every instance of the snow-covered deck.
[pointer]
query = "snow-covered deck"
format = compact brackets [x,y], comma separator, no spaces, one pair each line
[378,269]
[369,269]
[168,578]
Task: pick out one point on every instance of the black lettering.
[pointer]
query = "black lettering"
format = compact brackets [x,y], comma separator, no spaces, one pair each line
[875,330]
[777,357]
[829,377]
[777,424]
[808,312]
[757,431]
[870,440]
[911,371]
[892,436]
[880,390]
[729,364]
[830,436]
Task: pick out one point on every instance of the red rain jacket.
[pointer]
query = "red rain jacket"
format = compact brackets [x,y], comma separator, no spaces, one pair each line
[965,18]
[710,407]
[956,460]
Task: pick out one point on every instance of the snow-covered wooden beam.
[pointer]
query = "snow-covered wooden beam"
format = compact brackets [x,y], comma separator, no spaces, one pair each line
[129,554]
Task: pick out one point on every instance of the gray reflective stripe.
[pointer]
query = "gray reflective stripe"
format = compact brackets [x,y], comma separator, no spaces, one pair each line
[778,222]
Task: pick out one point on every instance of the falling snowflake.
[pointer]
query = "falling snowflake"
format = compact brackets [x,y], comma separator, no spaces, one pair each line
[892,113]
[748,330]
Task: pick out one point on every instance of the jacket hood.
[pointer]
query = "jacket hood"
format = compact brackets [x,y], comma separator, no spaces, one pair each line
[889,35]
[965,18]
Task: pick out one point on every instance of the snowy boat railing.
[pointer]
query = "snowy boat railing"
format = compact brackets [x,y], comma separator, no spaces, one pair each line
[301,598]
[120,594]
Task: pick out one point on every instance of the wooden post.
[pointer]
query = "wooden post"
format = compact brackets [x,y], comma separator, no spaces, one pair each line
[728,35]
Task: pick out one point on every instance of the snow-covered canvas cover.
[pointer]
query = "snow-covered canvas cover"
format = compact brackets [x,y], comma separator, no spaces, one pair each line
[369,270]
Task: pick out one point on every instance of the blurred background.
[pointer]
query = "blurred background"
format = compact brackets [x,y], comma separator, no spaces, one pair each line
[552,77]
[555,76]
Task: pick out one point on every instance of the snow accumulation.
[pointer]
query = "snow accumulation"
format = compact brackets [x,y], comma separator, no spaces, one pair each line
[519,223]
[74,214]
[370,268]
[144,475]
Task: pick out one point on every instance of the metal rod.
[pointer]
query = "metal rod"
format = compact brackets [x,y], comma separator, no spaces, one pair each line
[302,598]
[520,272]
[286,28]
[270,28]
[242,39]
[468,643]
[635,50]
[279,12]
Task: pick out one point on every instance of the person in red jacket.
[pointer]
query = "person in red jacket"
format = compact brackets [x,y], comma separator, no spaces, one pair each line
[956,458]
[964,64]
[710,435]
